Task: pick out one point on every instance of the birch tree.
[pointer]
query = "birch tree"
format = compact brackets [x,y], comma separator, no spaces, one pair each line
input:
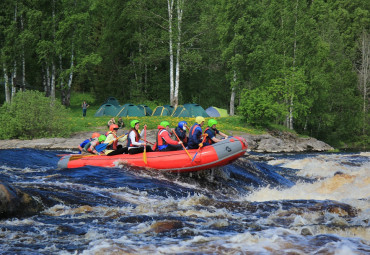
[363,71]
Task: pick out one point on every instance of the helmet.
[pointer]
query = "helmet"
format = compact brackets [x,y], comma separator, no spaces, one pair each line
[165,123]
[102,138]
[181,124]
[212,122]
[95,135]
[199,119]
[113,126]
[133,123]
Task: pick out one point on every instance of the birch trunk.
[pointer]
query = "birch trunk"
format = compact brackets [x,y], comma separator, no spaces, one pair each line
[180,5]
[170,18]
[363,73]
[70,79]
[232,98]
[23,87]
[52,82]
[6,85]
[14,77]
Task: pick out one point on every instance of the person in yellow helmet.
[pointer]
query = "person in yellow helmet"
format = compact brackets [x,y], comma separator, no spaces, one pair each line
[212,131]
[195,133]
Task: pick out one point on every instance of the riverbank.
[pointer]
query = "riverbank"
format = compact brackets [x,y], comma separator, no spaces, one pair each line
[270,142]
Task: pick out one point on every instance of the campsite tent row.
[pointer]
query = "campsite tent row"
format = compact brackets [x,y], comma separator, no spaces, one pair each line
[112,108]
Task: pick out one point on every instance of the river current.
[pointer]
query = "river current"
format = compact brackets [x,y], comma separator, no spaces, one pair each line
[291,204]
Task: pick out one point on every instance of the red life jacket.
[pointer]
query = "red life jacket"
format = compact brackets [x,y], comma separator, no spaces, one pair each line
[137,138]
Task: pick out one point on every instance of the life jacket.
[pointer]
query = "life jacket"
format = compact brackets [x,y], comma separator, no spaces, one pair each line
[160,142]
[137,138]
[113,146]
[208,139]
[181,134]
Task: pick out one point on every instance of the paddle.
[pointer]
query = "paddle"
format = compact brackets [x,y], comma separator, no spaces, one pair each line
[103,146]
[182,145]
[204,139]
[144,154]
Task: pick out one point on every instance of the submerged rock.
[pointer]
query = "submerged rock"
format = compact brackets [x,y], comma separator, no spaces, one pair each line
[16,203]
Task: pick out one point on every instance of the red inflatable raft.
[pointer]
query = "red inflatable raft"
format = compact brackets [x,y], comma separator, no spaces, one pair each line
[218,154]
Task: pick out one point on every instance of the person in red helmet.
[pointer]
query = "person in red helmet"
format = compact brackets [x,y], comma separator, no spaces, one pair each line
[83,144]
[114,148]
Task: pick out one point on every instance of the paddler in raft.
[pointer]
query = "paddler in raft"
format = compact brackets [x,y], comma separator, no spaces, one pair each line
[90,147]
[112,140]
[211,132]
[195,134]
[163,139]
[133,141]
[83,144]
[180,131]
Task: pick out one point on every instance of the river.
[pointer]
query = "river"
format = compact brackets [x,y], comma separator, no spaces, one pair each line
[292,204]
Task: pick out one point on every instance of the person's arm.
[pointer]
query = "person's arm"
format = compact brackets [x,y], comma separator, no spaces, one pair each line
[222,134]
[167,138]
[92,147]
[110,138]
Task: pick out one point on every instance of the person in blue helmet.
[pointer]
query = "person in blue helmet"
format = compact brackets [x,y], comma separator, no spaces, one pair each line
[180,131]
[163,139]
[195,134]
[211,132]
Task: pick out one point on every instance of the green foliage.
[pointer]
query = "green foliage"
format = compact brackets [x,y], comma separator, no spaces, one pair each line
[32,115]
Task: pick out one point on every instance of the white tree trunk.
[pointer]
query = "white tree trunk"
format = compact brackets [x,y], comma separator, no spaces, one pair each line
[6,85]
[14,77]
[232,97]
[170,18]
[23,87]
[52,83]
[180,5]
[363,74]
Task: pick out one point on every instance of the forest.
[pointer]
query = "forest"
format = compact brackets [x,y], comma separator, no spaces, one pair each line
[302,64]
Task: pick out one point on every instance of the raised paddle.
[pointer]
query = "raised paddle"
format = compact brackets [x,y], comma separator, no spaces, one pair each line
[103,146]
[204,139]
[182,144]
[144,154]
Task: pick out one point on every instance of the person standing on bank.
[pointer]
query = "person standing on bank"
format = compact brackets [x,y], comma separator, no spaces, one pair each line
[84,108]
[212,131]
[133,142]
[195,134]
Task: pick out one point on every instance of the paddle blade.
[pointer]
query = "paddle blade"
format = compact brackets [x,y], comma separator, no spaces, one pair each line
[144,156]
[101,147]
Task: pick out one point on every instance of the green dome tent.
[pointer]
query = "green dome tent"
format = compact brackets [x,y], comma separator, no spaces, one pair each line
[195,110]
[112,101]
[216,112]
[180,111]
[161,111]
[170,108]
[106,110]
[129,110]
[145,109]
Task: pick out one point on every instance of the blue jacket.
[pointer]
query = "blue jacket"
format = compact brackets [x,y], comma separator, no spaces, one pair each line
[195,136]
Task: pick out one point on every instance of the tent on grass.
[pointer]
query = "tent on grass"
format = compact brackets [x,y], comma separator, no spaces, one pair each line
[112,101]
[161,111]
[145,109]
[195,110]
[106,110]
[180,111]
[216,112]
[170,108]
[129,110]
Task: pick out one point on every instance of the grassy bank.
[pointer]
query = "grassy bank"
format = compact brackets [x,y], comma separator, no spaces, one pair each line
[79,123]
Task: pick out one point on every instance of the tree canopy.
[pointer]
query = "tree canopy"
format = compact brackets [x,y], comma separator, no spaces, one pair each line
[302,64]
